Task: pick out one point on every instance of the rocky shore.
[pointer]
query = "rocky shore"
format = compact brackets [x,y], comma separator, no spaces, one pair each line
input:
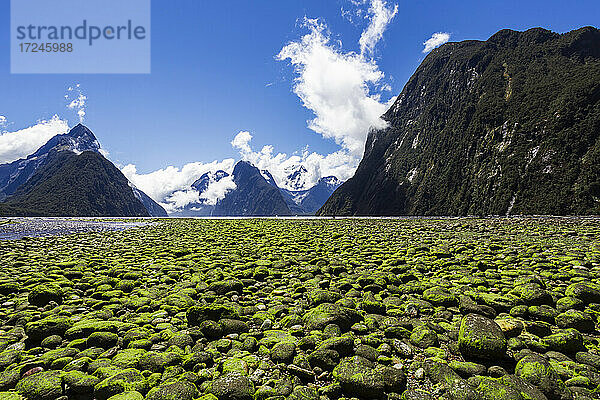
[306,309]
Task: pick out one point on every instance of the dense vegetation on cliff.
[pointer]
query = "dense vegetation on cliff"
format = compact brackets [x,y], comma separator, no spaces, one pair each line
[506,126]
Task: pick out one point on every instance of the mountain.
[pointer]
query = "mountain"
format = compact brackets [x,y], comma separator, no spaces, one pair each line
[203,207]
[206,179]
[307,202]
[510,125]
[69,176]
[72,184]
[256,194]
[15,174]
[253,196]
[296,178]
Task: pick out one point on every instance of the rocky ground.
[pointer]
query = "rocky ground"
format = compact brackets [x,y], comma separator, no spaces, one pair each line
[20,227]
[309,309]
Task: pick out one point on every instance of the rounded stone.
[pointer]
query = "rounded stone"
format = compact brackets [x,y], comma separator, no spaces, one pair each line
[481,338]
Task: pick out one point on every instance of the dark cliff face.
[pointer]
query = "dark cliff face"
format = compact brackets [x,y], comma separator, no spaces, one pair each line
[506,126]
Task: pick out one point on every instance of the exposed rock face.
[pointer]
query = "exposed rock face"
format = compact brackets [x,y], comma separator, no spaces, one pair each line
[506,126]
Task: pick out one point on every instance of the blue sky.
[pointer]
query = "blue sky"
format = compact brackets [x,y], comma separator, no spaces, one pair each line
[215,72]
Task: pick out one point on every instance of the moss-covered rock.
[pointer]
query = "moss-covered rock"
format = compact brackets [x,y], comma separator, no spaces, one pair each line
[45,385]
[44,293]
[423,336]
[79,383]
[579,320]
[324,314]
[283,352]
[587,292]
[11,396]
[103,340]
[467,369]
[232,386]
[537,371]
[196,314]
[567,341]
[181,390]
[494,389]
[120,382]
[129,395]
[481,338]
[49,326]
[440,296]
[357,377]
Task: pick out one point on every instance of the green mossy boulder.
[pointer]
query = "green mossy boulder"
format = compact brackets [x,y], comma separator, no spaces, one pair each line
[120,382]
[181,390]
[44,293]
[424,337]
[568,341]
[232,386]
[440,296]
[537,371]
[327,313]
[45,385]
[197,314]
[576,319]
[103,340]
[587,292]
[129,395]
[359,378]
[49,326]
[481,338]
[11,396]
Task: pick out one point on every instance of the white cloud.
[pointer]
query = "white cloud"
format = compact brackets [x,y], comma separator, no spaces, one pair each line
[171,186]
[216,190]
[179,199]
[335,86]
[436,40]
[241,141]
[2,121]
[380,18]
[78,101]
[21,143]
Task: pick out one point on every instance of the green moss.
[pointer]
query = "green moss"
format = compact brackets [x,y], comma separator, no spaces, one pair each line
[129,395]
[128,358]
[49,326]
[46,385]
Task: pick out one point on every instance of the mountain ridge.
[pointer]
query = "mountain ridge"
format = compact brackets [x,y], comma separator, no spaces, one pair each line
[30,186]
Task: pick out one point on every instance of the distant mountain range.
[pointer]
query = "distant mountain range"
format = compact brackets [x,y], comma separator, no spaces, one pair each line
[506,126]
[257,194]
[69,177]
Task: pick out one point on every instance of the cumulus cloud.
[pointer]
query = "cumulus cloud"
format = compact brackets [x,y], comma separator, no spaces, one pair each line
[436,40]
[179,199]
[77,101]
[380,17]
[342,89]
[2,121]
[171,186]
[241,141]
[21,143]
[216,190]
